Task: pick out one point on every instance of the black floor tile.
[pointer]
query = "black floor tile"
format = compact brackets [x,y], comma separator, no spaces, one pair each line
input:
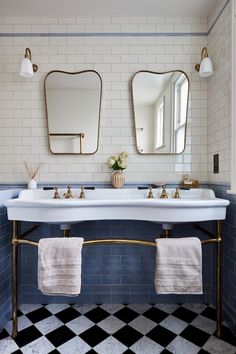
[18,351]
[91,351]
[195,335]
[55,351]
[67,315]
[4,334]
[126,315]
[27,335]
[227,336]
[202,351]
[60,335]
[184,314]
[155,314]
[96,315]
[161,335]
[94,336]
[127,335]
[38,315]
[165,351]
[209,312]
[129,351]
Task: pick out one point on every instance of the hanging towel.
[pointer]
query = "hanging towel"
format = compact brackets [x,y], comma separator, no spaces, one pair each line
[179,266]
[59,266]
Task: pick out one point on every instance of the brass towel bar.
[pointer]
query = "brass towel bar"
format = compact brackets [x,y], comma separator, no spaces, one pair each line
[107,241]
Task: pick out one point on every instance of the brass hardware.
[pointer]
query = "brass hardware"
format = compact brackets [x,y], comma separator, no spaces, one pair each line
[166,233]
[164,194]
[204,54]
[177,196]
[82,194]
[15,279]
[81,136]
[68,194]
[56,194]
[66,233]
[28,56]
[150,194]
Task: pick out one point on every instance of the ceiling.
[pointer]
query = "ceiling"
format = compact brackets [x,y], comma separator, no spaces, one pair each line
[106,8]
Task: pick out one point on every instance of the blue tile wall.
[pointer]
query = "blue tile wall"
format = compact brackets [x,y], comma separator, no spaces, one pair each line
[228,257]
[113,273]
[5,260]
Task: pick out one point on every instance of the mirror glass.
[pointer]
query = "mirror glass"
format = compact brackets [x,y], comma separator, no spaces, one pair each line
[160,102]
[73,104]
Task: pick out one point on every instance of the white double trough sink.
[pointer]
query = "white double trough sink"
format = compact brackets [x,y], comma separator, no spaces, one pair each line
[38,205]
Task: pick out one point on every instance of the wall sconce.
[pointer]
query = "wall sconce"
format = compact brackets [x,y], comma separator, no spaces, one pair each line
[27,69]
[205,68]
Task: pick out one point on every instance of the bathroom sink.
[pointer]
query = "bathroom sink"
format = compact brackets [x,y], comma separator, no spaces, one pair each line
[128,204]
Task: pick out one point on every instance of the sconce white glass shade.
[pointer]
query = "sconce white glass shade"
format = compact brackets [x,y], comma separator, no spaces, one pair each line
[26,69]
[206,67]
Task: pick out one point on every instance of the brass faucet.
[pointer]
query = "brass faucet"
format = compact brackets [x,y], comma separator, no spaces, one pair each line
[177,195]
[164,194]
[82,194]
[68,194]
[150,194]
[56,194]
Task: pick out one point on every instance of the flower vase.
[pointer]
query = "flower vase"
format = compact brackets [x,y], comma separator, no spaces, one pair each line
[117,179]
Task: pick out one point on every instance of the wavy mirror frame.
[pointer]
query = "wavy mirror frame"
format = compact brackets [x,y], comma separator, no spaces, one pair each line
[135,126]
[99,117]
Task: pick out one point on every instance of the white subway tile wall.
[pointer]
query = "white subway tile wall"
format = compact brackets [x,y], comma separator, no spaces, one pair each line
[219,91]
[22,110]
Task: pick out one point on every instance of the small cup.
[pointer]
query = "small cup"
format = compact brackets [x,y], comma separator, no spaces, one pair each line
[32,184]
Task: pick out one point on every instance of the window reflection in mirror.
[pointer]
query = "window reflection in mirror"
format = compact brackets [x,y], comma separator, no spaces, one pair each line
[160,102]
[73,104]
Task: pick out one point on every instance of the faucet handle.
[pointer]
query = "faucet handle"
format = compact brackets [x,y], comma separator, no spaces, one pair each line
[177,195]
[150,194]
[82,194]
[56,194]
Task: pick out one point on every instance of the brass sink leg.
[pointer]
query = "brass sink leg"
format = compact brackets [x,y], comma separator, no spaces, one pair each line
[14,278]
[218,279]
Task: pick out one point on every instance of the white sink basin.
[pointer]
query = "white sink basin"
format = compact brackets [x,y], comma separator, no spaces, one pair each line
[120,204]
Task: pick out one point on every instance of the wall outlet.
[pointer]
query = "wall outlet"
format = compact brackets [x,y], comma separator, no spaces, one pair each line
[216,163]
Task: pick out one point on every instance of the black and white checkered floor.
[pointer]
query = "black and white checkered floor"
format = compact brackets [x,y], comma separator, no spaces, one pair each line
[115,329]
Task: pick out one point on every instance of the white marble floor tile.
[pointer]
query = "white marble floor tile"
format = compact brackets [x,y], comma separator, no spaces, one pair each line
[142,324]
[204,323]
[84,308]
[7,345]
[174,324]
[48,324]
[182,346]
[146,346]
[111,324]
[54,308]
[23,322]
[198,308]
[26,308]
[110,346]
[38,346]
[139,308]
[168,308]
[74,346]
[112,308]
[215,345]
[80,324]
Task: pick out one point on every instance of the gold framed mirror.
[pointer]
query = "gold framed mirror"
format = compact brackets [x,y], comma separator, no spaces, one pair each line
[73,108]
[160,105]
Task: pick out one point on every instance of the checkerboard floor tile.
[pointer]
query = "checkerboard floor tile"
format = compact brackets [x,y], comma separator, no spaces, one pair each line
[116,329]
